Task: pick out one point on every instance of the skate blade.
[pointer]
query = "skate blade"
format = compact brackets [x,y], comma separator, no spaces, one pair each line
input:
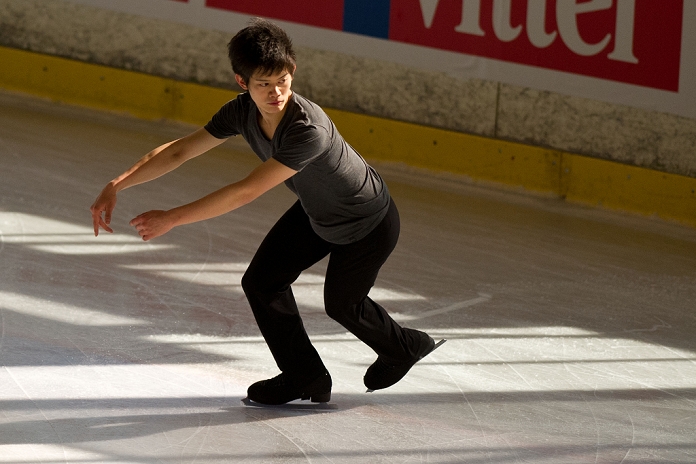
[437,345]
[290,406]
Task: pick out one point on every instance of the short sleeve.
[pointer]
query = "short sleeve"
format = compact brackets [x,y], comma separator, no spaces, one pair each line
[227,121]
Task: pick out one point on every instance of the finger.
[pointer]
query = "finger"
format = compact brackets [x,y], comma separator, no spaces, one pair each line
[145,235]
[139,219]
[106,227]
[149,235]
[141,228]
[96,219]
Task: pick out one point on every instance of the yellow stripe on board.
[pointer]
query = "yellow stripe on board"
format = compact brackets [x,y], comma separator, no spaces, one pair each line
[142,95]
[574,177]
[629,188]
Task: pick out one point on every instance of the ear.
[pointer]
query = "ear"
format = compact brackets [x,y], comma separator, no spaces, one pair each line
[240,81]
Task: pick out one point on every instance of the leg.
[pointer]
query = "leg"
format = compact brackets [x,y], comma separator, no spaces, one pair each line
[290,247]
[351,274]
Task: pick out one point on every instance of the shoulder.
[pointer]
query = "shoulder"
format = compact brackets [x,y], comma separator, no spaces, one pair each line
[236,108]
[241,102]
[231,117]
[307,107]
[308,117]
[304,131]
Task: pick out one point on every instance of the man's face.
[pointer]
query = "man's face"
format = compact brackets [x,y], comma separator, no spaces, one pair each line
[270,92]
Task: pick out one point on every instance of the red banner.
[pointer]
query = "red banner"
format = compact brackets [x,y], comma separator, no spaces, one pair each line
[631,41]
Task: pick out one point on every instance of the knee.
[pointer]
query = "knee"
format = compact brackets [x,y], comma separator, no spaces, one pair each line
[261,285]
[340,311]
[332,310]
[255,295]
[340,305]
[249,283]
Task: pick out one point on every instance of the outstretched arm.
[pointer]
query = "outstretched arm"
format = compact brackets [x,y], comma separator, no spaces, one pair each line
[159,161]
[155,223]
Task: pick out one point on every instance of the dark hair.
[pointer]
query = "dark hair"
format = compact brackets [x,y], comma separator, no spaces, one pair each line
[262,46]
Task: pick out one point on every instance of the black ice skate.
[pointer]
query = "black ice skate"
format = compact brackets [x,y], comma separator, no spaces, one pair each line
[280,390]
[382,374]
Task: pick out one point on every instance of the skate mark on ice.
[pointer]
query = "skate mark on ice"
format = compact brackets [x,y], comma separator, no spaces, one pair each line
[482,430]
[482,298]
[654,328]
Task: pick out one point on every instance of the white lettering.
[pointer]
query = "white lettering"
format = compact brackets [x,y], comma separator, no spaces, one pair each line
[471,18]
[623,40]
[428,8]
[567,12]
[536,24]
[501,21]
[566,18]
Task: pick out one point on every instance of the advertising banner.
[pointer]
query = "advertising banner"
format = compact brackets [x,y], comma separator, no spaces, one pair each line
[632,41]
[632,52]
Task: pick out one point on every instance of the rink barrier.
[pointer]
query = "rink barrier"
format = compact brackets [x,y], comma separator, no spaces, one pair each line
[576,178]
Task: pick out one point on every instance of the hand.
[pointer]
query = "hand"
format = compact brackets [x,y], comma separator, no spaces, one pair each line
[152,224]
[105,203]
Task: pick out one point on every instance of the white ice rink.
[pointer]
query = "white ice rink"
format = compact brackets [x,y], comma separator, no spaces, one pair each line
[572,331]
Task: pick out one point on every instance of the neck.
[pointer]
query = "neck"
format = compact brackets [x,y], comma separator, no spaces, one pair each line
[269,121]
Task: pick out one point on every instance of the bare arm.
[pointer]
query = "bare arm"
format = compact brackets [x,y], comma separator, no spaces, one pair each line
[155,223]
[156,163]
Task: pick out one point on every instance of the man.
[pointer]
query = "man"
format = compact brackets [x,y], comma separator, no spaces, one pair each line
[343,210]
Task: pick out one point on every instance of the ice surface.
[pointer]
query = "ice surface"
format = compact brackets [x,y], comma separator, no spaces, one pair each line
[570,330]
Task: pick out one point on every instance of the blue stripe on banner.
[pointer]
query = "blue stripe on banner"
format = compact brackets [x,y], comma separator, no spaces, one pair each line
[367,17]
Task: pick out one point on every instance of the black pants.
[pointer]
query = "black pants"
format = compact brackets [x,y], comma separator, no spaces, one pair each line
[292,246]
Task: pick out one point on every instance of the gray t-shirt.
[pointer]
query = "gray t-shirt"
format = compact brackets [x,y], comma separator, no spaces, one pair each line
[343,196]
